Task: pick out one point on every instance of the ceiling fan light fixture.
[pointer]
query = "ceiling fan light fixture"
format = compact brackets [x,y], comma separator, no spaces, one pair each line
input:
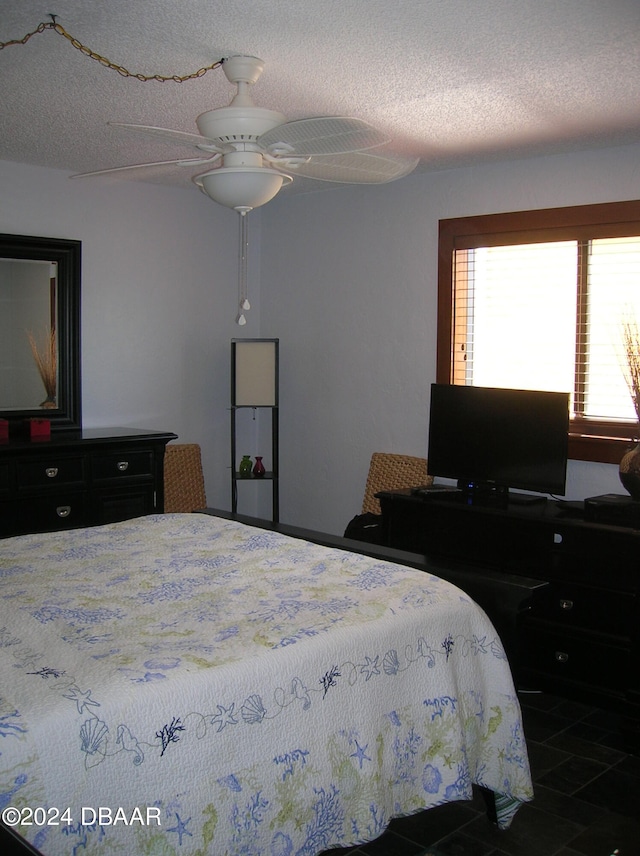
[242,188]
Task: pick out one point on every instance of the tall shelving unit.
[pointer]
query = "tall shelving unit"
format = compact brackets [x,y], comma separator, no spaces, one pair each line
[254,386]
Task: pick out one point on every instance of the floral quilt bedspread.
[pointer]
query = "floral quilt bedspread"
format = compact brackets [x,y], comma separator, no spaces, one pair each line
[183,684]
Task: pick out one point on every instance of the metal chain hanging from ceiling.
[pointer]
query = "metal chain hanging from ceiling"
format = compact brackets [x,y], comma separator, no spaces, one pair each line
[58,28]
[243,260]
[243,301]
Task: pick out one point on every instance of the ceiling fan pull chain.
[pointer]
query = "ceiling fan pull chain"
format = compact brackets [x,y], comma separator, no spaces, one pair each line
[243,243]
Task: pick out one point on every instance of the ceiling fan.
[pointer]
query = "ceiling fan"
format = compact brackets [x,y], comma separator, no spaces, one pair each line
[250,152]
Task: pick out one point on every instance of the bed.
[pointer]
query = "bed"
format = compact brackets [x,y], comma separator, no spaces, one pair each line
[186,684]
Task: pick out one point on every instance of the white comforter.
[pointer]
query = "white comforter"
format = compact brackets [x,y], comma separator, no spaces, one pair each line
[186,684]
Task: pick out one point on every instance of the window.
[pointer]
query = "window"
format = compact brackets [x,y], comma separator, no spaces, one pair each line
[537,300]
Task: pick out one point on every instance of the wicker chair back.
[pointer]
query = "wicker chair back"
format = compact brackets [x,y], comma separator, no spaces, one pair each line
[391,472]
[183,478]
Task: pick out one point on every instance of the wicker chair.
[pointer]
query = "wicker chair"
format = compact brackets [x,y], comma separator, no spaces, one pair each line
[183,479]
[392,472]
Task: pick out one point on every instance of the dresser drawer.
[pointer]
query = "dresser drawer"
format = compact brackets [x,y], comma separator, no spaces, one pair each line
[575,605]
[464,533]
[50,472]
[575,657]
[591,549]
[109,506]
[121,465]
[64,510]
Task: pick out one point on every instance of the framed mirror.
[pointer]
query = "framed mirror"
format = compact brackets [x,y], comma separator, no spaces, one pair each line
[40,330]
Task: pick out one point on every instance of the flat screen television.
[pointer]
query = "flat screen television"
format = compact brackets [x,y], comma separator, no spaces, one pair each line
[492,439]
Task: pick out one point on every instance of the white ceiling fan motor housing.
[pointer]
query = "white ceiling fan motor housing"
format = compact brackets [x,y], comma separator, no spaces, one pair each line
[241,121]
[229,125]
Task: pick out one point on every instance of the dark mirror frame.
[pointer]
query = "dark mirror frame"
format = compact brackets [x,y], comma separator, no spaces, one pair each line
[68,254]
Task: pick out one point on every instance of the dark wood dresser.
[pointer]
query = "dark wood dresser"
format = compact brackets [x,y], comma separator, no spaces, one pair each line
[581,639]
[80,478]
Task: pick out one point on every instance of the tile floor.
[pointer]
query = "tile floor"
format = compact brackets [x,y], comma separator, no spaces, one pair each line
[587,797]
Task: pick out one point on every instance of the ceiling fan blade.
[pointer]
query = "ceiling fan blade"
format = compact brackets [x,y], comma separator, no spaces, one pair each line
[323,135]
[358,167]
[180,137]
[180,162]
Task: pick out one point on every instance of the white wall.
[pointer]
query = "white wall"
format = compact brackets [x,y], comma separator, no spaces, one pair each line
[348,283]
[346,279]
[159,299]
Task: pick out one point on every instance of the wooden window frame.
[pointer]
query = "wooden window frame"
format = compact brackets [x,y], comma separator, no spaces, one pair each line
[588,440]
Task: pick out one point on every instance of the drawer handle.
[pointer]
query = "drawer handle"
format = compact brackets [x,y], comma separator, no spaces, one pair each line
[51,472]
[561,657]
[566,604]
[63,510]
[123,466]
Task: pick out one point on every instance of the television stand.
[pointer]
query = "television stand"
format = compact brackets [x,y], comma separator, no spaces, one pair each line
[580,638]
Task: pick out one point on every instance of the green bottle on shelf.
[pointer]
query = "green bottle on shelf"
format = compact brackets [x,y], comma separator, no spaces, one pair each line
[245,467]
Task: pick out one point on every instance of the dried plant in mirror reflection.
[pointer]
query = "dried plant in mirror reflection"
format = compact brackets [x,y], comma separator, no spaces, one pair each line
[46,360]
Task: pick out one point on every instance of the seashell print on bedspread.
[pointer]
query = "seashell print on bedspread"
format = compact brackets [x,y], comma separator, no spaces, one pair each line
[263,694]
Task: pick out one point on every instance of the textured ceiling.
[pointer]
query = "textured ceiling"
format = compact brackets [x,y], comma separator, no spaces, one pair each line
[456,82]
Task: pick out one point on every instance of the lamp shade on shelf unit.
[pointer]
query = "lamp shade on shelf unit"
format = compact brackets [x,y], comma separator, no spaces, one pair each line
[254,372]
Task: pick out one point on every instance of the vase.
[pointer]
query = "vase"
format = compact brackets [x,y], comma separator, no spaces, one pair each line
[244,469]
[630,472]
[258,468]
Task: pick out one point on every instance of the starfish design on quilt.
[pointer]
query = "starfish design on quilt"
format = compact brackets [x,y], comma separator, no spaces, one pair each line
[360,753]
[479,645]
[370,667]
[224,716]
[82,699]
[181,828]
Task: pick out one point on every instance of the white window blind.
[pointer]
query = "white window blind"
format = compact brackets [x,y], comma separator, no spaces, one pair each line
[548,316]
[614,295]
